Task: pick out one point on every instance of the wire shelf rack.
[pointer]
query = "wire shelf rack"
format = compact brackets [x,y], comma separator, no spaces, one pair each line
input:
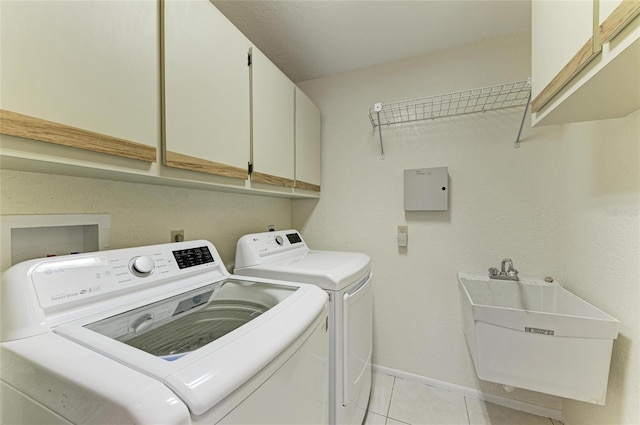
[484,99]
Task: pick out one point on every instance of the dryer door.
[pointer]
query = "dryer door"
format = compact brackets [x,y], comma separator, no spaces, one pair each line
[357,344]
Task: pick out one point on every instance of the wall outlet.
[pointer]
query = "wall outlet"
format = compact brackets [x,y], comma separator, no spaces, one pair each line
[177,235]
[403,235]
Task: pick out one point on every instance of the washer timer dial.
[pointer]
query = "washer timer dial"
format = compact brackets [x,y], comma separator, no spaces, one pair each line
[142,266]
[279,240]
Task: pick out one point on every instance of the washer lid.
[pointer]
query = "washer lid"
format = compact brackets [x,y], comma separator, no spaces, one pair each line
[219,364]
[330,270]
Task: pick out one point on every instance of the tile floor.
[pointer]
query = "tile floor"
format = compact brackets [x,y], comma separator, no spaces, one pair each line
[397,401]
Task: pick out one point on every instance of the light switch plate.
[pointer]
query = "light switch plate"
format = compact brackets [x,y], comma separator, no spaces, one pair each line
[403,235]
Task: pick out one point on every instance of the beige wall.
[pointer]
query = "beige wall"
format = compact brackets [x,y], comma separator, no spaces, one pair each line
[144,214]
[503,201]
[564,205]
[600,250]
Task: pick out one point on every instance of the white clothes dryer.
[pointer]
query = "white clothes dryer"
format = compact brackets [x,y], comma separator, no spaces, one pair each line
[159,334]
[346,277]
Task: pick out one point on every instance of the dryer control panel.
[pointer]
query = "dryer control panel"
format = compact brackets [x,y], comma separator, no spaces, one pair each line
[252,248]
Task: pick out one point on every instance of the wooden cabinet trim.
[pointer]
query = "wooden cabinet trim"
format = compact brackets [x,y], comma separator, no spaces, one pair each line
[307,186]
[186,162]
[273,180]
[626,12]
[575,65]
[20,125]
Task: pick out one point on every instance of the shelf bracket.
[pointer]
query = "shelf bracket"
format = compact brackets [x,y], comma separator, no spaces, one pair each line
[524,117]
[377,108]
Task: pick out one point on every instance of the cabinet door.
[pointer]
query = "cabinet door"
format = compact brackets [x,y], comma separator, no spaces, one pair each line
[585,89]
[206,90]
[615,15]
[273,125]
[307,138]
[606,8]
[82,74]
[561,45]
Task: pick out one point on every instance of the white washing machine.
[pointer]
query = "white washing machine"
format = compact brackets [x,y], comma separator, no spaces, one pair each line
[159,335]
[346,276]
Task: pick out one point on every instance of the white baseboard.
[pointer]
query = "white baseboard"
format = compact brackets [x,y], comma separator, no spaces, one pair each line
[470,392]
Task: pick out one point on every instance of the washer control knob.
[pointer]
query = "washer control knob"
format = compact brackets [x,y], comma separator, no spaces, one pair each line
[142,266]
[279,240]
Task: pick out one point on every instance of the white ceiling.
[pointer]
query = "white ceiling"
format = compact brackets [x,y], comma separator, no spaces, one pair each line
[308,39]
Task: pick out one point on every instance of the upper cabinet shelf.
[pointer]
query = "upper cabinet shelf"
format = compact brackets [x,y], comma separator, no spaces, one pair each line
[451,104]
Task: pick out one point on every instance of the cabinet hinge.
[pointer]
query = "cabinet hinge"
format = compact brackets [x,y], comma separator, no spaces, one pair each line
[249,167]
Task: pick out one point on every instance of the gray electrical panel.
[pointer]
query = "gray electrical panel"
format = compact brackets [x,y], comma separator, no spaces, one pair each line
[426,189]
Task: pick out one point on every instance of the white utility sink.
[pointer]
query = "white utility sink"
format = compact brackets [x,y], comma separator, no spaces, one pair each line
[537,335]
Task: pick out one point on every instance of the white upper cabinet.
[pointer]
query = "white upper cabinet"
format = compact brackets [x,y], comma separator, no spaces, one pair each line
[82,74]
[107,84]
[615,15]
[273,123]
[560,30]
[307,145]
[606,8]
[206,90]
[600,79]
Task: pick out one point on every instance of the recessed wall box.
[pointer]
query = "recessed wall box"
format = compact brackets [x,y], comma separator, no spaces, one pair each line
[24,237]
[426,189]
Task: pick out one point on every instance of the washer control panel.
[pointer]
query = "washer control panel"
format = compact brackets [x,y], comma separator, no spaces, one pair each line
[191,257]
[71,278]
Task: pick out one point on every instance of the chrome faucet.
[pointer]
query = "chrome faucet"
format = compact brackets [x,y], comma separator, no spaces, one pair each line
[507,272]
[504,262]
